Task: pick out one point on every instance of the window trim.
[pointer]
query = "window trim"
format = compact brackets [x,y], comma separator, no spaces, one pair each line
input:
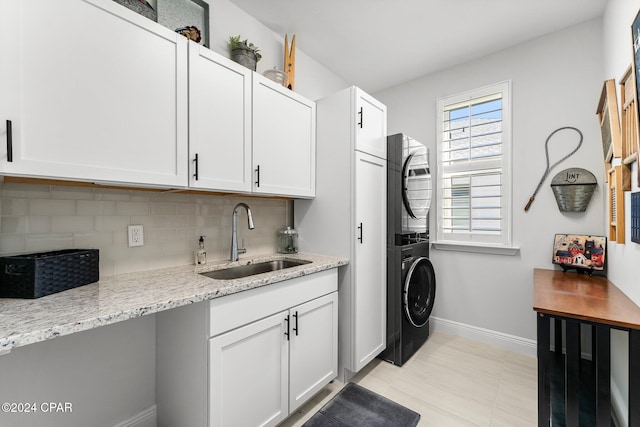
[502,244]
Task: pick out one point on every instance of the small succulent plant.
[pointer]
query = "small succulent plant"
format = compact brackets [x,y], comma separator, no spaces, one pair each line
[236,43]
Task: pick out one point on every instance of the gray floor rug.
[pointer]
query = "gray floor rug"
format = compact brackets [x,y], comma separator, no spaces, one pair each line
[356,406]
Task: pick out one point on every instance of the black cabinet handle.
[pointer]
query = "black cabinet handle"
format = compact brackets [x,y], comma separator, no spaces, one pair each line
[361,233]
[296,328]
[258,176]
[361,118]
[9,142]
[286,319]
[195,175]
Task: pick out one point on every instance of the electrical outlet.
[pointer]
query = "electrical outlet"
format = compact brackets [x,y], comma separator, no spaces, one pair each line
[136,235]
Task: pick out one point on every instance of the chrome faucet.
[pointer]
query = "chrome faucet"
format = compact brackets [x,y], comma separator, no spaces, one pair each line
[234,231]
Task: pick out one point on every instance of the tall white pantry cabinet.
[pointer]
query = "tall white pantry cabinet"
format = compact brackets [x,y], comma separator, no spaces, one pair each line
[348,218]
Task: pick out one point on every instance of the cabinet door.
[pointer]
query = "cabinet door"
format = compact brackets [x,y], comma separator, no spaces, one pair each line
[219,122]
[369,300]
[371,125]
[283,140]
[102,94]
[313,348]
[248,368]
[9,78]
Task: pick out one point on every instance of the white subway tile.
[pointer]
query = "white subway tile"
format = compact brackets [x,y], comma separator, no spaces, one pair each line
[72,193]
[96,207]
[39,224]
[73,224]
[111,223]
[132,208]
[157,208]
[15,207]
[12,243]
[48,242]
[108,194]
[52,207]
[14,224]
[29,191]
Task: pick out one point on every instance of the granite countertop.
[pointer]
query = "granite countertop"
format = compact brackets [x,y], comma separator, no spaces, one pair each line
[127,296]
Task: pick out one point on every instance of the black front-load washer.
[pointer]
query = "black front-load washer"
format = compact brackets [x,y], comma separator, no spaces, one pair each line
[409,300]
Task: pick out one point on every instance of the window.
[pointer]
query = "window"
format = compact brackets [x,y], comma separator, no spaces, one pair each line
[474,167]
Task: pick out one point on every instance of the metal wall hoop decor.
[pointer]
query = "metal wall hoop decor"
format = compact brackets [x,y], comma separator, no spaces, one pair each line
[549,167]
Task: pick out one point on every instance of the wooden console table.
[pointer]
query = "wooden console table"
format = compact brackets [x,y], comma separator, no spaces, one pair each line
[573,299]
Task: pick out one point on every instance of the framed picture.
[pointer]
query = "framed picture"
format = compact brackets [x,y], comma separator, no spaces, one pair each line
[184,15]
[582,252]
[187,17]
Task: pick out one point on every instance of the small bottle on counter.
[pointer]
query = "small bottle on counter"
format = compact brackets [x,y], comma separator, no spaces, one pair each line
[201,253]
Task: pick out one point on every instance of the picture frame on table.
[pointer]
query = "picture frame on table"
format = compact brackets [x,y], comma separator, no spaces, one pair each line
[585,253]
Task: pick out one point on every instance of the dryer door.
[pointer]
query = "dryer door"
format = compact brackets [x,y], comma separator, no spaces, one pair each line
[416,184]
[419,292]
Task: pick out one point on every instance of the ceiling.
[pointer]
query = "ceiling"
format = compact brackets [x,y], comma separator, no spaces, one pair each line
[377,44]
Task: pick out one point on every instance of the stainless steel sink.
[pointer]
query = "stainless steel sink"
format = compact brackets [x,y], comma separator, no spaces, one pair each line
[253,269]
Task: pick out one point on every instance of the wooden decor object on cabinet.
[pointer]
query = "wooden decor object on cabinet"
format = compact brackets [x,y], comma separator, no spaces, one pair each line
[348,218]
[609,123]
[618,176]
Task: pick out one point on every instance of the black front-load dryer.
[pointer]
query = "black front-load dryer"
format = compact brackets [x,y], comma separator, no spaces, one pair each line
[411,292]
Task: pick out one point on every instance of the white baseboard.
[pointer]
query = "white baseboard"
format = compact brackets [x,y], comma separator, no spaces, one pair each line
[619,406]
[146,418]
[487,336]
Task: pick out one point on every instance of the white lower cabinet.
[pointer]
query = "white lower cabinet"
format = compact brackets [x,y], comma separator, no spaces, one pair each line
[277,364]
[247,359]
[248,369]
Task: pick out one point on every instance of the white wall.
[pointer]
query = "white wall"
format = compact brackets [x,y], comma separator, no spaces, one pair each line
[556,81]
[106,374]
[109,374]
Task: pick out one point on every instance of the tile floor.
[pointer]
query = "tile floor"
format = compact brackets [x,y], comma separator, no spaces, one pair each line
[450,381]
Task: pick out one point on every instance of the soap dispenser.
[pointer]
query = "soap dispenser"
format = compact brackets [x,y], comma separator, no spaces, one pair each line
[201,253]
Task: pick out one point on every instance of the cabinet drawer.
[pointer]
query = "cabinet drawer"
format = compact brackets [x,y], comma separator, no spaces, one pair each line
[235,310]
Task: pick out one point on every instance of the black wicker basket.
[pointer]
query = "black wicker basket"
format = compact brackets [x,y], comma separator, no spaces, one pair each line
[39,274]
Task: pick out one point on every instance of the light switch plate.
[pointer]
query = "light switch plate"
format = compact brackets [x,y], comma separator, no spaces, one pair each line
[136,235]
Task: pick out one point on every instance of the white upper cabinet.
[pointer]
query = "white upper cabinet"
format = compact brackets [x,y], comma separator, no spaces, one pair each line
[92,91]
[284,141]
[219,122]
[371,124]
[98,93]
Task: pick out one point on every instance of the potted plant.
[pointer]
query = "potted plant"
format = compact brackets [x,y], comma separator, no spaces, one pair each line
[244,52]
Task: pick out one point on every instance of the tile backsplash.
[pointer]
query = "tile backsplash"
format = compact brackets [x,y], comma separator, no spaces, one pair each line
[37,218]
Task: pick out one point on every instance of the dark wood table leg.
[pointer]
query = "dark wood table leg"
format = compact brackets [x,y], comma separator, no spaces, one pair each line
[634,378]
[602,362]
[544,377]
[572,373]
[557,330]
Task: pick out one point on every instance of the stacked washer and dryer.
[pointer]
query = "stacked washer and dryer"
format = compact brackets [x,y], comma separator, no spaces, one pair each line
[411,281]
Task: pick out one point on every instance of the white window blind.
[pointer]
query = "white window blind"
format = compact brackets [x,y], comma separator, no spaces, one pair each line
[474,166]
